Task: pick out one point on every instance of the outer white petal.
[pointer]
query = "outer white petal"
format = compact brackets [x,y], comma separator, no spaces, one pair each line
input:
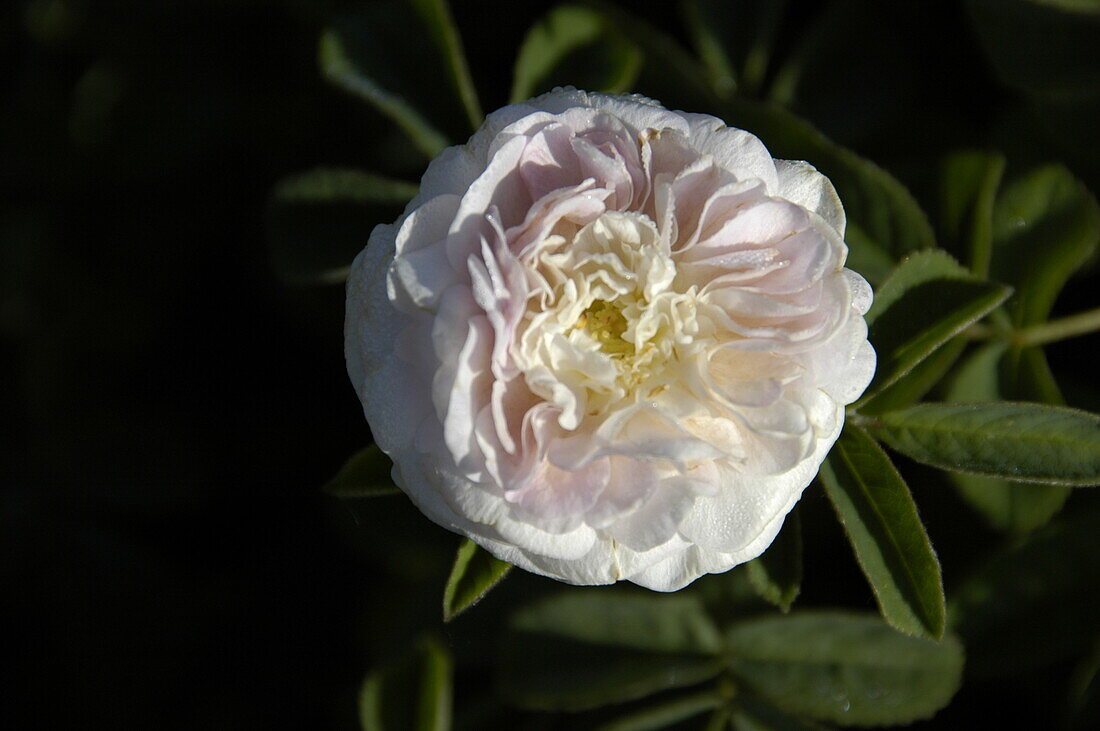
[598,566]
[655,522]
[740,152]
[677,568]
[845,367]
[456,168]
[649,568]
[395,401]
[734,521]
[680,568]
[801,183]
[635,110]
[450,173]
[640,112]
[571,546]
[419,479]
[422,273]
[861,292]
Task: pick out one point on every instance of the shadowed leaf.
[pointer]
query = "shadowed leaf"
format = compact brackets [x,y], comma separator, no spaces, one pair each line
[436,15]
[928,299]
[847,668]
[910,388]
[578,46]
[777,574]
[968,189]
[320,220]
[1034,603]
[880,517]
[366,474]
[1046,225]
[666,713]
[413,695]
[753,714]
[615,647]
[368,55]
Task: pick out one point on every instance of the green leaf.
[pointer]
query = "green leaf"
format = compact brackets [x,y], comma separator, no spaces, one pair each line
[665,713]
[976,379]
[846,668]
[890,543]
[728,596]
[331,185]
[658,623]
[1034,603]
[866,256]
[1024,442]
[886,221]
[436,15]
[1011,506]
[925,302]
[474,573]
[1031,377]
[1084,696]
[920,268]
[1017,36]
[719,720]
[1008,506]
[706,37]
[968,190]
[1046,225]
[1080,5]
[876,99]
[574,45]
[729,36]
[777,574]
[669,72]
[585,648]
[318,221]
[754,715]
[413,694]
[366,474]
[910,388]
[369,55]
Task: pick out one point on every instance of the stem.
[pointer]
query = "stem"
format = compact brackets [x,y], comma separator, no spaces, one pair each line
[981,331]
[998,327]
[1066,327]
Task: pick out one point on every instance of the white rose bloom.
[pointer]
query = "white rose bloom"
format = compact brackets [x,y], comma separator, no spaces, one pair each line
[609,341]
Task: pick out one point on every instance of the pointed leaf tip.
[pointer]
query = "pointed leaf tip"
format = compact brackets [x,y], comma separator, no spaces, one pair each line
[474,574]
[365,474]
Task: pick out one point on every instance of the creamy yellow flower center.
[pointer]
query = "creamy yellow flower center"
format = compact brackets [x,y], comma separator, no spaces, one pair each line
[606,324]
[609,328]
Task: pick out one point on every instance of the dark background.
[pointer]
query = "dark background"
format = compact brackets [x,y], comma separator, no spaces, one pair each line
[167,558]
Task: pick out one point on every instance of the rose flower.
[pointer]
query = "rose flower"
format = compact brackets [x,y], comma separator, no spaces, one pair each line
[609,341]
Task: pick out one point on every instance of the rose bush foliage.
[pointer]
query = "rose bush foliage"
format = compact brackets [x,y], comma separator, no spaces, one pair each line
[608,340]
